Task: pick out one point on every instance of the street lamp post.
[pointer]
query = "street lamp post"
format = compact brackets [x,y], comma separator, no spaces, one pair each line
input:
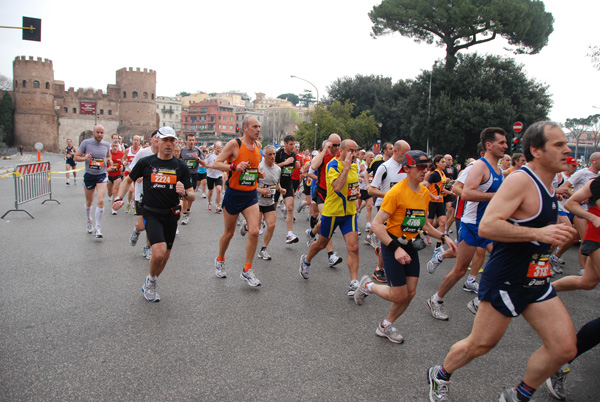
[316,109]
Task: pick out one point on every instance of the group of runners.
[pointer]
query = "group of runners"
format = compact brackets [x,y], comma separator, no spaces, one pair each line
[516,209]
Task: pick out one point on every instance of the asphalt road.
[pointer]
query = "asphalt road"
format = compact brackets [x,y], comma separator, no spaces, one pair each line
[74,324]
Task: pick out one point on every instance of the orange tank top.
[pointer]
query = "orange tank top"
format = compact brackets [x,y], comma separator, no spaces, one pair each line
[436,188]
[245,180]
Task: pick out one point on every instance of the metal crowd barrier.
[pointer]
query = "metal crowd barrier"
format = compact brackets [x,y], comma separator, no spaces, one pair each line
[32,181]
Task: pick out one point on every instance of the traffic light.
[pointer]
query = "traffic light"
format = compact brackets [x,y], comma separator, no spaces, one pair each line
[516,144]
[32,29]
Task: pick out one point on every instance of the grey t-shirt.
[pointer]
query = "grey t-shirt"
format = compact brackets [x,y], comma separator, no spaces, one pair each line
[272,176]
[99,150]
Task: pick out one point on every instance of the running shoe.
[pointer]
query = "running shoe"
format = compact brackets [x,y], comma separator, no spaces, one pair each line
[113,212]
[368,227]
[352,288]
[361,292]
[133,239]
[149,290]
[310,238]
[261,230]
[581,271]
[556,384]
[471,287]
[379,276]
[438,389]
[98,234]
[145,250]
[334,260]
[244,229]
[209,206]
[89,227]
[304,267]
[264,255]
[149,253]
[300,208]
[509,395]
[219,209]
[220,268]
[291,239]
[375,241]
[367,239]
[284,211]
[437,309]
[473,305]
[186,219]
[555,264]
[436,260]
[250,278]
[389,332]
[203,195]
[68,182]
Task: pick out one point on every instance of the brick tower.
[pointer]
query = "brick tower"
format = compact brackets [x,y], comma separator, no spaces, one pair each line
[137,102]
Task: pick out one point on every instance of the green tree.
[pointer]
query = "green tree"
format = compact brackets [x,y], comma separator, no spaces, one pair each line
[460,24]
[578,127]
[337,118]
[291,97]
[307,97]
[183,93]
[6,118]
[478,93]
[377,95]
[594,54]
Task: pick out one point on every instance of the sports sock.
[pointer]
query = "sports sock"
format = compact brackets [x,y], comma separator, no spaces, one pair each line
[437,298]
[247,267]
[471,278]
[221,259]
[99,215]
[443,374]
[88,213]
[369,286]
[385,323]
[329,253]
[524,392]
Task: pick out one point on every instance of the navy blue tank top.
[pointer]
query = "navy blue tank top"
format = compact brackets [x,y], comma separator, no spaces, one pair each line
[523,265]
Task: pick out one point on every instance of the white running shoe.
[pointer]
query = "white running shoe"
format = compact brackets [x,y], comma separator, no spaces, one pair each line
[250,277]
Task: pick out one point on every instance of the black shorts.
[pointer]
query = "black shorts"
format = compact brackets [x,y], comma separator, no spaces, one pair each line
[395,272]
[449,198]
[320,195]
[267,208]
[306,188]
[364,195]
[212,183]
[160,226]
[71,162]
[90,180]
[201,176]
[113,178]
[436,209]
[296,184]
[289,191]
[588,247]
[194,177]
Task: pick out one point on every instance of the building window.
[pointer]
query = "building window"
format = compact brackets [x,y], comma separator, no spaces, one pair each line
[65,110]
[212,118]
[152,96]
[109,112]
[36,84]
[101,111]
[157,106]
[47,85]
[74,110]
[24,84]
[124,94]
[145,95]
[134,95]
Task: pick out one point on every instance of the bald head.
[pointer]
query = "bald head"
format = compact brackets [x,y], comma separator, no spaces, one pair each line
[400,148]
[334,138]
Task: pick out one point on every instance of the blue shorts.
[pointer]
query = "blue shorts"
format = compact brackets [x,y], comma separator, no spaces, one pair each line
[469,233]
[347,224]
[235,201]
[71,162]
[395,272]
[90,180]
[512,303]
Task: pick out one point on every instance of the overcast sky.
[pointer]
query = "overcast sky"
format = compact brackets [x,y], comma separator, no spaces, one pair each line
[254,46]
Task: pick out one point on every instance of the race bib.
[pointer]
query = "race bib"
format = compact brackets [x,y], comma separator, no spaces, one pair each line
[192,163]
[287,170]
[353,191]
[414,220]
[96,163]
[163,177]
[272,190]
[248,177]
[539,267]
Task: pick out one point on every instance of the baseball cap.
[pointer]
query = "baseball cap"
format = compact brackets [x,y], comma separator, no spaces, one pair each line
[572,161]
[411,158]
[166,132]
[315,153]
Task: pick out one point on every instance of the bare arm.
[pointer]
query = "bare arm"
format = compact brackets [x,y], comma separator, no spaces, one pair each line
[510,201]
[477,175]
[573,204]
[318,160]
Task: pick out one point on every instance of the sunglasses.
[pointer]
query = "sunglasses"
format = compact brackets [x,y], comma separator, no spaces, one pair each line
[335,145]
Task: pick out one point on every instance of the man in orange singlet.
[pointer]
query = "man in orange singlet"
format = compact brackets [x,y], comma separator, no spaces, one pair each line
[241,157]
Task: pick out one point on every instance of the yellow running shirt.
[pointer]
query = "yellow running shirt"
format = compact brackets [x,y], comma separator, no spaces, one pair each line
[344,202]
[408,209]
